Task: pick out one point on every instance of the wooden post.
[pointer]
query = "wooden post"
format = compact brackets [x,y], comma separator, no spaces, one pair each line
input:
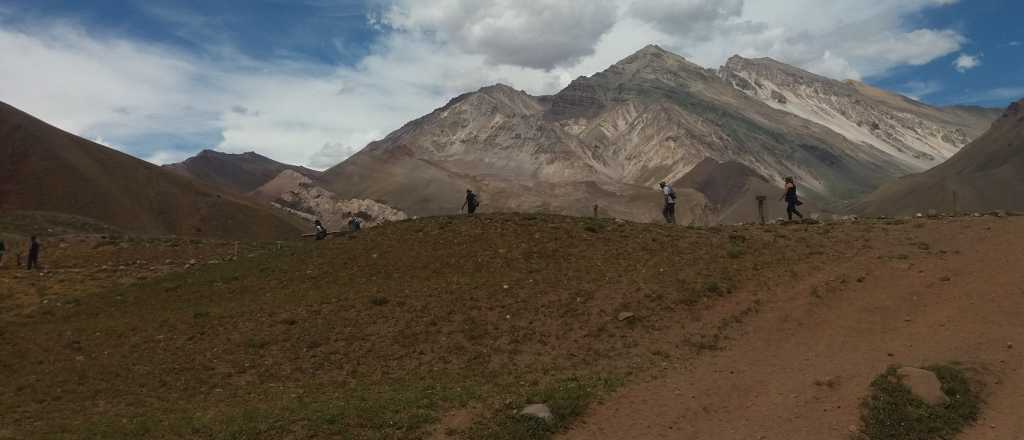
[760,207]
[595,210]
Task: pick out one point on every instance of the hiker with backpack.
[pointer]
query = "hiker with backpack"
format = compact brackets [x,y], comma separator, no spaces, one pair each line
[320,230]
[471,203]
[669,211]
[792,201]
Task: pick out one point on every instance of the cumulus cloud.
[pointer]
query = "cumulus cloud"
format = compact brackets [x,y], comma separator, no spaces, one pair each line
[696,19]
[539,34]
[1015,43]
[966,62]
[156,101]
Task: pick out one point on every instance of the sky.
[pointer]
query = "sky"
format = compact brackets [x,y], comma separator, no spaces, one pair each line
[311,82]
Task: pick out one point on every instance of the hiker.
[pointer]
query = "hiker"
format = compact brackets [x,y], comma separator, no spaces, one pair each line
[791,199]
[321,231]
[33,254]
[355,224]
[669,211]
[471,203]
[3,248]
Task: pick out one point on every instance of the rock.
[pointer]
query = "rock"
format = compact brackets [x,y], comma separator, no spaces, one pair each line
[924,384]
[919,215]
[626,315]
[933,213]
[538,410]
[193,262]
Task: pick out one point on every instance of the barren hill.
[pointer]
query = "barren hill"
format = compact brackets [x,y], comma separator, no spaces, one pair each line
[986,175]
[917,135]
[605,139]
[45,169]
[241,173]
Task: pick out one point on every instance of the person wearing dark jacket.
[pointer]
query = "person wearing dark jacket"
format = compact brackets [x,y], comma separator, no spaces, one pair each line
[471,203]
[33,254]
[792,201]
[3,249]
[321,231]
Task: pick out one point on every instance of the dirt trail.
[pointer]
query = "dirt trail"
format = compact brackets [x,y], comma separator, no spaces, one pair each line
[834,328]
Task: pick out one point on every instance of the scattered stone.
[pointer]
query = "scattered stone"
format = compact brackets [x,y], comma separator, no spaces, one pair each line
[1009,345]
[924,384]
[945,279]
[933,213]
[626,315]
[919,215]
[538,410]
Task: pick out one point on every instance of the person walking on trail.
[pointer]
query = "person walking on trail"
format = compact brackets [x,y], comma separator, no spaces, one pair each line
[321,231]
[471,203]
[669,211]
[355,224]
[3,249]
[33,254]
[792,201]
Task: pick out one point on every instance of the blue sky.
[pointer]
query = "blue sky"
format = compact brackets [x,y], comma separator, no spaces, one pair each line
[312,81]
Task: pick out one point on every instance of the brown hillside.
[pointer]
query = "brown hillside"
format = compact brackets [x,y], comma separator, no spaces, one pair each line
[730,330]
[986,175]
[241,173]
[45,169]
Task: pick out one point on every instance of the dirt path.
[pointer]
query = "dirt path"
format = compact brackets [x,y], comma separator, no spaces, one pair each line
[801,367]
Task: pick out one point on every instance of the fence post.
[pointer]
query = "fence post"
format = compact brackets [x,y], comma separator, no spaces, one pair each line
[760,207]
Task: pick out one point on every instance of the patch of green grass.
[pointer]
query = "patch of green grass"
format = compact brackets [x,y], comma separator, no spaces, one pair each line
[734,251]
[594,225]
[568,399]
[892,412]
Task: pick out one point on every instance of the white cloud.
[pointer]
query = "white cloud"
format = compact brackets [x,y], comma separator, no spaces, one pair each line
[966,62]
[533,33]
[313,114]
[1001,95]
[165,157]
[1015,43]
[919,89]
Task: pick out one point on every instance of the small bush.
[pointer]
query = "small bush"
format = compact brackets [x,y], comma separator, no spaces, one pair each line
[892,412]
[568,399]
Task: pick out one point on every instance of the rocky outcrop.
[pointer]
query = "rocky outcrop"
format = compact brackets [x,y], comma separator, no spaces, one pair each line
[299,195]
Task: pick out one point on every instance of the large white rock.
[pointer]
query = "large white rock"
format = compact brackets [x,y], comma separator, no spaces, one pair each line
[924,384]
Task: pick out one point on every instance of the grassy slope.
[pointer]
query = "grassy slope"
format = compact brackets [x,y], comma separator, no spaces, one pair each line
[378,336]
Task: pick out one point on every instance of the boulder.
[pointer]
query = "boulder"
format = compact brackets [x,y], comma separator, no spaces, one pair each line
[626,315]
[538,410]
[924,384]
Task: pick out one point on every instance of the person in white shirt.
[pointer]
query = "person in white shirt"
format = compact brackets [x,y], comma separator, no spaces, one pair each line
[669,211]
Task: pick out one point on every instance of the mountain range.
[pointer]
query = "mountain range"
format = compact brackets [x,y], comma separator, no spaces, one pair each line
[609,138]
[720,137]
